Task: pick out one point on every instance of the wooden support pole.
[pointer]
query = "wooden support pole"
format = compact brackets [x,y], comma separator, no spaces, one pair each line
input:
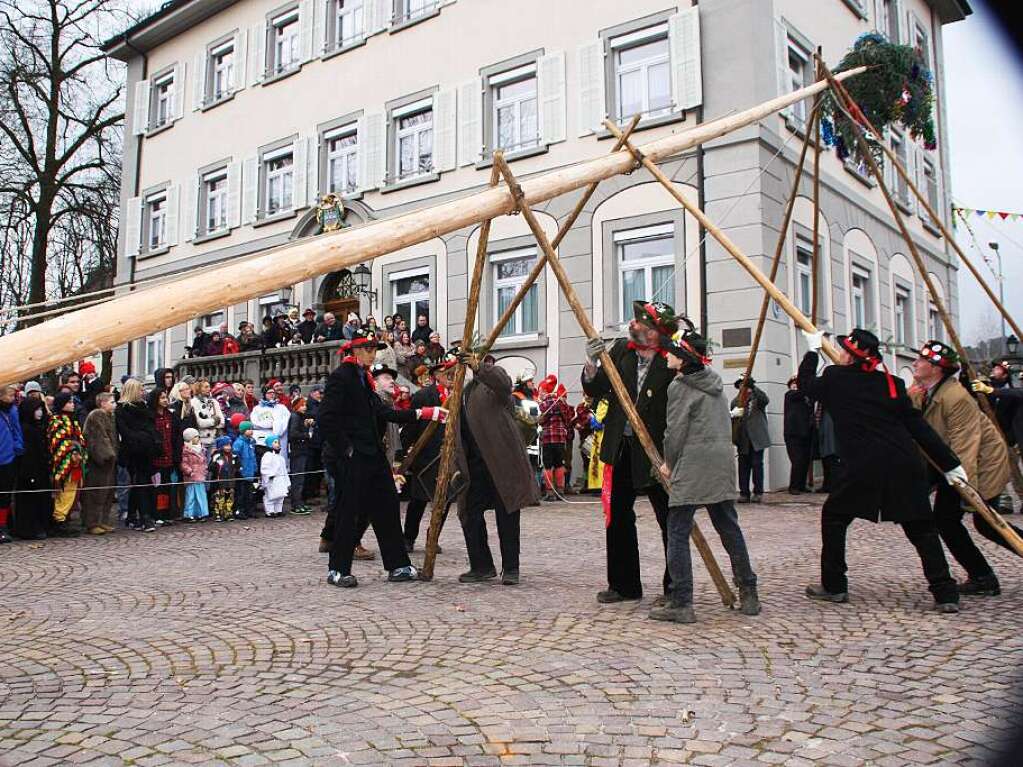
[454,403]
[814,286]
[638,427]
[417,447]
[541,261]
[969,494]
[85,332]
[778,250]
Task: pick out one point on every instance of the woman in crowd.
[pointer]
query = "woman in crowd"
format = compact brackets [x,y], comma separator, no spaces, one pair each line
[11,447]
[299,432]
[169,428]
[248,341]
[231,399]
[141,443]
[35,509]
[268,418]
[402,351]
[182,403]
[387,356]
[208,415]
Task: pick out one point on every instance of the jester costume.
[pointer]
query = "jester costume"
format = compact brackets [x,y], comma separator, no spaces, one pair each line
[67,461]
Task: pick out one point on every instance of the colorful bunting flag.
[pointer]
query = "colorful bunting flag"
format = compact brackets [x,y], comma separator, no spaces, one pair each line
[988,214]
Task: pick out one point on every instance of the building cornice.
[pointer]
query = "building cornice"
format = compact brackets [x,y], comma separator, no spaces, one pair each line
[170,20]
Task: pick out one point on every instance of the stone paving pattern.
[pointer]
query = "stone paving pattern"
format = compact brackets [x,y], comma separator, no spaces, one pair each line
[221,644]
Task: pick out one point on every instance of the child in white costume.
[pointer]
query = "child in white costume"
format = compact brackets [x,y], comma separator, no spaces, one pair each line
[274,478]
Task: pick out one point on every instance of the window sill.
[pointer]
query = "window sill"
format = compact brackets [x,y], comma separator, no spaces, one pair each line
[426,178]
[161,251]
[653,122]
[853,171]
[929,225]
[856,6]
[536,341]
[796,126]
[269,80]
[282,216]
[211,236]
[207,105]
[343,49]
[903,205]
[519,154]
[406,23]
[160,128]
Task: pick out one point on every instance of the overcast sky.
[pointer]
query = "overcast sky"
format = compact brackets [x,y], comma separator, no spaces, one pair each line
[984,80]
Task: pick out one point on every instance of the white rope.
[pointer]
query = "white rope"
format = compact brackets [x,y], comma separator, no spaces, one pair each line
[160,484]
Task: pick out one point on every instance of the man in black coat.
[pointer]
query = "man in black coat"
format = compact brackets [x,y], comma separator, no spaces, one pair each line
[646,377]
[799,435]
[350,419]
[878,431]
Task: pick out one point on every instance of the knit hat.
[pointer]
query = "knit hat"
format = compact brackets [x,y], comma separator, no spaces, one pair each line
[32,386]
[738,381]
[317,387]
[353,317]
[220,387]
[222,442]
[85,368]
[61,400]
[244,426]
[548,384]
[271,438]
[940,355]
[189,434]
[236,420]
[656,316]
[381,368]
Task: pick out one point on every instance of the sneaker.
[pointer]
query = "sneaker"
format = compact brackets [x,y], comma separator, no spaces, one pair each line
[743,499]
[946,608]
[749,601]
[335,578]
[509,577]
[821,594]
[471,576]
[361,552]
[403,574]
[610,596]
[755,498]
[985,586]
[149,527]
[4,537]
[673,614]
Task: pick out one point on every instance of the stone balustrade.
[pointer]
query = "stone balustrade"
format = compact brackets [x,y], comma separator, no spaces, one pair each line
[304,365]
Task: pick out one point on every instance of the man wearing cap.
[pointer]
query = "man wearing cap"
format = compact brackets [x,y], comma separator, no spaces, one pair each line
[882,477]
[956,417]
[33,389]
[646,377]
[751,438]
[423,471]
[351,417]
[307,327]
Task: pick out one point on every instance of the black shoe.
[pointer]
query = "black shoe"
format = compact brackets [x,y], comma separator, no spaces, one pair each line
[749,600]
[472,576]
[403,574]
[756,498]
[796,491]
[823,595]
[985,586]
[335,578]
[946,608]
[674,614]
[743,499]
[4,537]
[610,596]
[509,577]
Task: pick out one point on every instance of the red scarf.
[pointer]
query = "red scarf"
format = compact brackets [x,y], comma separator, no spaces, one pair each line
[869,364]
[443,392]
[633,346]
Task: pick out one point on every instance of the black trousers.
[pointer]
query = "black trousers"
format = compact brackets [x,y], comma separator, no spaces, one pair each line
[366,492]
[311,486]
[474,528]
[832,466]
[621,536]
[414,518]
[243,498]
[923,534]
[142,497]
[798,449]
[752,463]
[948,514]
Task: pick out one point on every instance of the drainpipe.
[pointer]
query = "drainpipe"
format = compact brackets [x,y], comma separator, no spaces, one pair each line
[138,165]
[701,202]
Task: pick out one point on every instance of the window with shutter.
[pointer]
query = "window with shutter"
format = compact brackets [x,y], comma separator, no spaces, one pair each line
[445,144]
[551,85]
[470,121]
[140,114]
[592,106]
[132,226]
[686,58]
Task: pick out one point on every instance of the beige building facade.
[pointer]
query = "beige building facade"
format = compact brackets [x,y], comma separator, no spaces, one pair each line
[241,115]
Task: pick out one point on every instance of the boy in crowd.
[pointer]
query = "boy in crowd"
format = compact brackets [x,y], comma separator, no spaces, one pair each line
[244,447]
[224,470]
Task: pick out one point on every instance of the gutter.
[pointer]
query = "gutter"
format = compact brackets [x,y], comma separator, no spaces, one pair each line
[138,162]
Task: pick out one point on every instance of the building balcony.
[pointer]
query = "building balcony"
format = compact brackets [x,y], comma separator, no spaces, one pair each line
[304,365]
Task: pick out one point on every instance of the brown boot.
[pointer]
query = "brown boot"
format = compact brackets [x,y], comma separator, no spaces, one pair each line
[324,547]
[97,530]
[361,552]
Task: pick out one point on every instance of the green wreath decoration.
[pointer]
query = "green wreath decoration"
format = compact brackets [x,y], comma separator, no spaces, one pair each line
[898,88]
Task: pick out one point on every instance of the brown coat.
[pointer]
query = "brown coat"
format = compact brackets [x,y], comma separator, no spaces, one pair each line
[955,416]
[487,412]
[101,437]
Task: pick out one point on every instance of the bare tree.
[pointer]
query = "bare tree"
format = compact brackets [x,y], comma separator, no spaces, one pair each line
[61,111]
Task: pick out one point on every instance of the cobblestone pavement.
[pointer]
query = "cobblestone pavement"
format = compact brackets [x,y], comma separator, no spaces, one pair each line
[221,644]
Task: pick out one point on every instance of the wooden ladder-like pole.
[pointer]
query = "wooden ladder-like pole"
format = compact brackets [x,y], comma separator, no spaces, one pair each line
[454,403]
[638,427]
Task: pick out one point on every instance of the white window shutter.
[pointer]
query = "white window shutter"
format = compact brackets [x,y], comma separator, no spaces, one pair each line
[305,29]
[238,75]
[781,47]
[300,171]
[470,121]
[198,81]
[191,218]
[592,106]
[911,164]
[178,102]
[257,53]
[686,64]
[372,152]
[250,190]
[900,23]
[234,195]
[170,225]
[319,27]
[140,120]
[132,226]
[379,15]
[550,86]
[445,146]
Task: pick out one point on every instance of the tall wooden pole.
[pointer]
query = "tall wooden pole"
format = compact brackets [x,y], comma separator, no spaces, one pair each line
[968,493]
[541,261]
[638,427]
[454,403]
[86,331]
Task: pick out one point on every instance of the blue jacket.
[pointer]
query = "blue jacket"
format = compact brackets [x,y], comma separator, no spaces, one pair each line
[246,452]
[11,442]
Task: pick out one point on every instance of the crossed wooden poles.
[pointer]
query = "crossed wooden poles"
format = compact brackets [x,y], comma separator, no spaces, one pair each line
[549,257]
